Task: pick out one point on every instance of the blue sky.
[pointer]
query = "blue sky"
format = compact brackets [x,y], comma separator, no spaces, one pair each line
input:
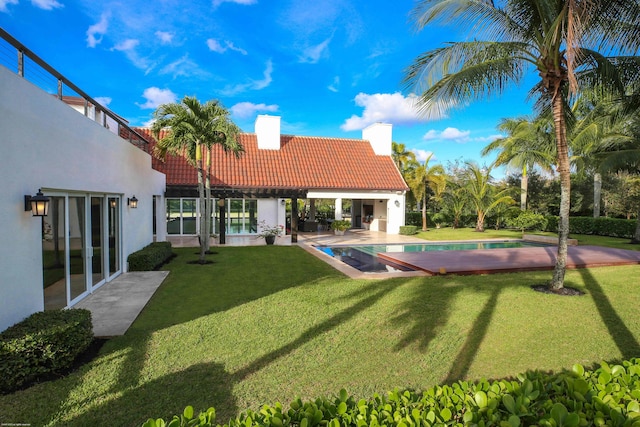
[327,67]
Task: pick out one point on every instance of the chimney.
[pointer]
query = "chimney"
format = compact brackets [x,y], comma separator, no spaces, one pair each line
[268,132]
[379,135]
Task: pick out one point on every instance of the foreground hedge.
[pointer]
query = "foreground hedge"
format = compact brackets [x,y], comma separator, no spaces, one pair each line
[150,257]
[408,230]
[608,395]
[44,343]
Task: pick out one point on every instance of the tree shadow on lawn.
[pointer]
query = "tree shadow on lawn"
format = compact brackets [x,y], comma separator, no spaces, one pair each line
[201,386]
[193,291]
[624,339]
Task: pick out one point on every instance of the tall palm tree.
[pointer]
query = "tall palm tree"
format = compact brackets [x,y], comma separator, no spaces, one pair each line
[401,156]
[426,177]
[482,193]
[556,38]
[194,128]
[527,144]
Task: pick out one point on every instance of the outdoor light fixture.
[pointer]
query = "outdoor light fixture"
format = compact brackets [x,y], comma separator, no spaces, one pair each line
[283,202]
[397,203]
[221,202]
[38,204]
[113,203]
[132,202]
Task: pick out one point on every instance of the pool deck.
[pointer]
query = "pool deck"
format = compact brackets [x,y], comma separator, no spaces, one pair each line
[483,261]
[487,261]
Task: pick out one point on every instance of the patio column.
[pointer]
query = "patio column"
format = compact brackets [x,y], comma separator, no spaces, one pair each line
[338,210]
[312,209]
[294,220]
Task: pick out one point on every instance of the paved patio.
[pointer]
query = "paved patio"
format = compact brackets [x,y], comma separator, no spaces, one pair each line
[115,305]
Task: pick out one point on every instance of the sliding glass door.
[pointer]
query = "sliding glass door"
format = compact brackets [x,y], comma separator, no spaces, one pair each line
[81,238]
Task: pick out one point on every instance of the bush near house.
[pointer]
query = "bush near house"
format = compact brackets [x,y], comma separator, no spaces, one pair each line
[150,257]
[602,226]
[408,230]
[528,220]
[44,343]
[607,395]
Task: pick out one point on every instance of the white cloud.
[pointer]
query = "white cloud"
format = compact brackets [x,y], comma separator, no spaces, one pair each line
[252,84]
[156,96]
[244,110]
[217,3]
[46,4]
[126,45]
[103,100]
[184,67]
[97,31]
[215,46]
[335,86]
[129,48]
[489,138]
[4,3]
[422,155]
[391,108]
[449,134]
[164,37]
[312,54]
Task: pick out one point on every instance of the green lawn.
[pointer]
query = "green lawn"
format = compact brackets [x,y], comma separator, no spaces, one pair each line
[265,324]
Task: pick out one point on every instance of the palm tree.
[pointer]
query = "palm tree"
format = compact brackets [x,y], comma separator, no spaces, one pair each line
[527,144]
[483,194]
[425,177]
[401,156]
[194,129]
[556,38]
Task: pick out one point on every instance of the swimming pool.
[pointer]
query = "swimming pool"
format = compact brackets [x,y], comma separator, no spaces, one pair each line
[364,257]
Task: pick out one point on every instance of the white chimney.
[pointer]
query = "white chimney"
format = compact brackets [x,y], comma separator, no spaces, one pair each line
[268,132]
[379,135]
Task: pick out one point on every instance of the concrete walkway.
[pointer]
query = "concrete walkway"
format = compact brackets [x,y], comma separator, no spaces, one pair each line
[115,305]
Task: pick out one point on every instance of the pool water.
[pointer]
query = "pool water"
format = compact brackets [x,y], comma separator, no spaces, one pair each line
[364,257]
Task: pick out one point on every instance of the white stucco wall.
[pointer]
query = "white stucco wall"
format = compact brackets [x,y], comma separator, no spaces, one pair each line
[48,145]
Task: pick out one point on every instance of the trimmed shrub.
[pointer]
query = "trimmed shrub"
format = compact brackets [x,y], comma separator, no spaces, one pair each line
[44,343]
[414,218]
[602,226]
[150,257]
[528,220]
[408,230]
[607,396]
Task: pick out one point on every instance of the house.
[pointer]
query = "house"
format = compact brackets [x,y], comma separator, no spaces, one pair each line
[91,173]
[275,167]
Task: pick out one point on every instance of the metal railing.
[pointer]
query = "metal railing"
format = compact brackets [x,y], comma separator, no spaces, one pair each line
[31,67]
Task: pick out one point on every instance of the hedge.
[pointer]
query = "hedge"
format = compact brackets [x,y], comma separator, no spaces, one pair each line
[150,257]
[602,226]
[608,396]
[44,343]
[408,230]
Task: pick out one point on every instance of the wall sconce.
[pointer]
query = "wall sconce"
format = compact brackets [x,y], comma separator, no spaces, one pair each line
[38,204]
[397,202]
[283,202]
[221,202]
[132,202]
[113,203]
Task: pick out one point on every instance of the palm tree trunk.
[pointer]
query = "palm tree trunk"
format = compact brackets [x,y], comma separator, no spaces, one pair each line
[207,187]
[200,168]
[597,190]
[480,222]
[524,186]
[424,212]
[636,236]
[557,281]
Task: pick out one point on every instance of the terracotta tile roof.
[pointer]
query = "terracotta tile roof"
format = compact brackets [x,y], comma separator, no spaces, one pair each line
[301,163]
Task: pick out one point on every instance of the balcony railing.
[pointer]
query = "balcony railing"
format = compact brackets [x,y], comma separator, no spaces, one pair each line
[19,59]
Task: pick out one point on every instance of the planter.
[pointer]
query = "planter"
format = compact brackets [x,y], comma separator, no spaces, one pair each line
[339,232]
[270,239]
